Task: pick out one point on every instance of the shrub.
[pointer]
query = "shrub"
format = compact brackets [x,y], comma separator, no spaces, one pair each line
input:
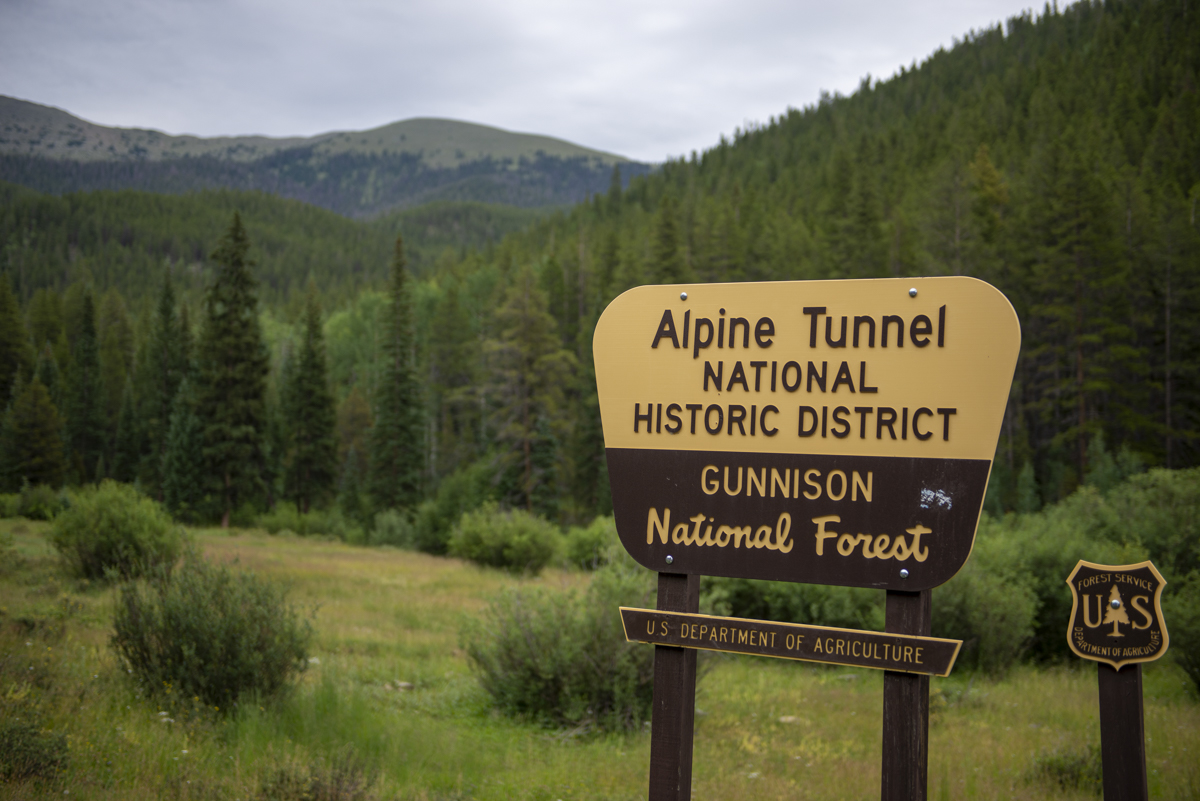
[463,491]
[392,527]
[1181,608]
[328,523]
[209,632]
[26,752]
[594,546]
[115,528]
[844,607]
[345,778]
[40,502]
[560,658]
[511,539]
[992,614]
[1068,771]
[10,504]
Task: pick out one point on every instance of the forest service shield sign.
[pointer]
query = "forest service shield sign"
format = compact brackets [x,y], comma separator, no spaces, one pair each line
[1116,616]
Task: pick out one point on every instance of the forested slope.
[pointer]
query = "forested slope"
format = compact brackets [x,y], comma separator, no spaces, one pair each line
[1056,157]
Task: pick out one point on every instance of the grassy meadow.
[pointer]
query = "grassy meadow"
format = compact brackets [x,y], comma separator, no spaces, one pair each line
[389,708]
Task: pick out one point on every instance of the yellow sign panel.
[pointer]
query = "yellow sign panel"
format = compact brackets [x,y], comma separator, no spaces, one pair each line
[834,432]
[868,368]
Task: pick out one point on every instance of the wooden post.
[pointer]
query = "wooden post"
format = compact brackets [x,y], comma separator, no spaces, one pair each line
[1122,733]
[674,711]
[906,706]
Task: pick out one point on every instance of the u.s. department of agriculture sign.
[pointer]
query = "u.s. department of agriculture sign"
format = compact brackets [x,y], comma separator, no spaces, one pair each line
[1116,614]
[827,432]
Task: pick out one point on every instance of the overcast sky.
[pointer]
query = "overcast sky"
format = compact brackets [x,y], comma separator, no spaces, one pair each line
[646,80]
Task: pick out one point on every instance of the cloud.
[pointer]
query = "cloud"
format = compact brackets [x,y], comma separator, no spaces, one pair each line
[644,80]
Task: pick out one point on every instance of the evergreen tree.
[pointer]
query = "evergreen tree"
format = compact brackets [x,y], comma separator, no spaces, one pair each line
[162,365]
[666,262]
[16,354]
[397,440]
[45,318]
[86,427]
[232,366]
[353,432]
[309,420]
[31,439]
[48,373]
[115,335]
[125,443]
[183,471]
[531,372]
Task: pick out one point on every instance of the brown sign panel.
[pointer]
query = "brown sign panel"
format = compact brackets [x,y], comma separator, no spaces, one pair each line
[828,432]
[1116,615]
[869,649]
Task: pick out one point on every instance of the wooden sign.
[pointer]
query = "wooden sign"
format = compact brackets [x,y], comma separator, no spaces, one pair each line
[1117,621]
[826,432]
[869,649]
[1116,614]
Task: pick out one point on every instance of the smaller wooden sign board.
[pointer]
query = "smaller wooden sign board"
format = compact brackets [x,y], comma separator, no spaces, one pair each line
[1116,614]
[869,649]
[1117,621]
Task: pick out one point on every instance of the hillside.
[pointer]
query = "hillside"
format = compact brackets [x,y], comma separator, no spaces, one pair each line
[355,173]
[124,240]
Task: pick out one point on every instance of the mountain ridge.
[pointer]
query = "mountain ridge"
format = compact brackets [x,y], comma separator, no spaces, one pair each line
[33,129]
[354,173]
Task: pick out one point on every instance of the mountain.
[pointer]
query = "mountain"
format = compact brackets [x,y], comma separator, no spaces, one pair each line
[355,173]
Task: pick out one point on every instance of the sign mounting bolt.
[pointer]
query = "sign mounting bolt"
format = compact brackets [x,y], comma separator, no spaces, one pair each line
[670,559]
[1116,603]
[912,293]
[904,573]
[683,296]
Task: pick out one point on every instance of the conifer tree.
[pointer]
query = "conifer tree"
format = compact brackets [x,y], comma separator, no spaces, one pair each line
[667,265]
[115,335]
[125,442]
[232,366]
[86,425]
[45,317]
[397,440]
[531,372]
[183,470]
[309,420]
[163,363]
[16,354]
[31,439]
[354,431]
[48,373]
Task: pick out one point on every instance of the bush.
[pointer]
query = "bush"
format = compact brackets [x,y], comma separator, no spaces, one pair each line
[594,546]
[1070,771]
[1181,608]
[393,527]
[812,604]
[561,659]
[511,539]
[328,523]
[992,614]
[463,491]
[115,528]
[10,504]
[209,632]
[345,778]
[28,753]
[41,502]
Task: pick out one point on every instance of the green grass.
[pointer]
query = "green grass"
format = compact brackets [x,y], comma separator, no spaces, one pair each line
[764,728]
